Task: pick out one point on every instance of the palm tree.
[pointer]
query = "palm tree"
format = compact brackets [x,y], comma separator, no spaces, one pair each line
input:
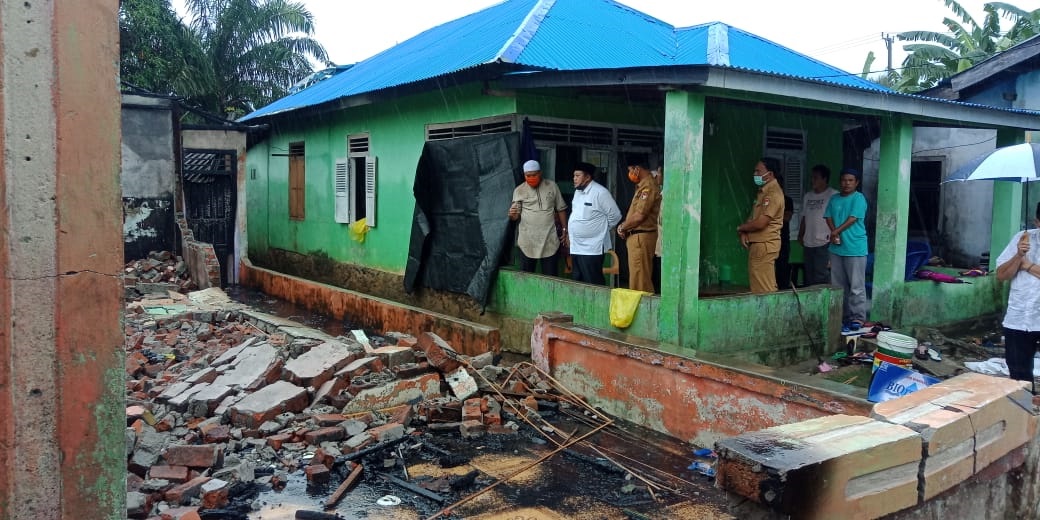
[250,52]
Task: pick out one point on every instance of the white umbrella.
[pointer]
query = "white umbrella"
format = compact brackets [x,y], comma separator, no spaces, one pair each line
[1016,163]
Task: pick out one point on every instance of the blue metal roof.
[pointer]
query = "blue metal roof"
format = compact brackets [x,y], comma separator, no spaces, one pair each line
[561,35]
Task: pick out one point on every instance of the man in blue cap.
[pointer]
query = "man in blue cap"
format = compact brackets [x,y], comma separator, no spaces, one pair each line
[845,216]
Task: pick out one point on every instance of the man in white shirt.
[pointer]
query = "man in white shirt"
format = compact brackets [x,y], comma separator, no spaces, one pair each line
[1020,263]
[813,232]
[593,213]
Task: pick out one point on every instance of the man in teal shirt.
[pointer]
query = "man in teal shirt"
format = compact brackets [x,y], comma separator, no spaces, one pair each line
[844,215]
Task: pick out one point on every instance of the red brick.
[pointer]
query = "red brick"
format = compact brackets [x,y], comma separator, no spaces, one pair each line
[439,353]
[203,456]
[329,419]
[387,432]
[185,492]
[320,457]
[133,482]
[472,429]
[218,434]
[317,474]
[401,414]
[360,367]
[471,410]
[181,513]
[329,434]
[175,474]
[215,494]
[447,409]
[165,424]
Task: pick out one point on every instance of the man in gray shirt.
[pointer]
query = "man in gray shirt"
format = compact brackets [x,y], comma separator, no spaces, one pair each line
[813,232]
[538,205]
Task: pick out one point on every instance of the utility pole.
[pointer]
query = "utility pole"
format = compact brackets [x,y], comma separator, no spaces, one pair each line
[889,39]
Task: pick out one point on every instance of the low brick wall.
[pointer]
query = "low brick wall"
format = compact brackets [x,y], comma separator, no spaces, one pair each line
[370,312]
[200,257]
[698,398]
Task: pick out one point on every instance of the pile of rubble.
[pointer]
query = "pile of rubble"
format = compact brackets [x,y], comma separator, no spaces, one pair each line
[225,401]
[161,271]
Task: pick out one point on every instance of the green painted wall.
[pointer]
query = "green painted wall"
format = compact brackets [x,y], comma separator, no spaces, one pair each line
[564,105]
[397,131]
[523,296]
[730,153]
[930,303]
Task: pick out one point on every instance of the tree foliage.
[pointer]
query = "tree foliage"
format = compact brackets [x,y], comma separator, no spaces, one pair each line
[934,56]
[229,58]
[155,49]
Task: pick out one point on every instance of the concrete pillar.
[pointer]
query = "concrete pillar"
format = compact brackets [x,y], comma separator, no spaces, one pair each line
[62,417]
[681,213]
[893,209]
[1007,203]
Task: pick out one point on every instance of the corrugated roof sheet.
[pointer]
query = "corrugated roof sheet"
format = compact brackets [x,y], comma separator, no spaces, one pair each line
[561,35]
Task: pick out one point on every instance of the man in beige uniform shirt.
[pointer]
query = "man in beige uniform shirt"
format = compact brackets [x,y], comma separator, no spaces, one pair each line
[536,203]
[639,229]
[760,235]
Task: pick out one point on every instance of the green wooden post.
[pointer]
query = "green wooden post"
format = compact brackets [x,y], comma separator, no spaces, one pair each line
[1007,203]
[681,213]
[893,208]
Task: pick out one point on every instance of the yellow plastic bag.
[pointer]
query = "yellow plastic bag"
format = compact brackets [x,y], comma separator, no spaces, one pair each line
[358,230]
[623,306]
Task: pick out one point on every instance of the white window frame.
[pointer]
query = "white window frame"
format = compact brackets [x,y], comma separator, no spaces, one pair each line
[793,168]
[346,182]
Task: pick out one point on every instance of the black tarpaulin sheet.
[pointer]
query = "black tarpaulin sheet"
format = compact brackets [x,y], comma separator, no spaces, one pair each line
[463,188]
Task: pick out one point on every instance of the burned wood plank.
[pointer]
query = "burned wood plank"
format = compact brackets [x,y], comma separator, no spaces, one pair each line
[347,482]
[370,450]
[414,489]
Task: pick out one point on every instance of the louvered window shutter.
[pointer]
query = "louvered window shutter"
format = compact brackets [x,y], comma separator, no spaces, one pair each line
[370,191]
[341,181]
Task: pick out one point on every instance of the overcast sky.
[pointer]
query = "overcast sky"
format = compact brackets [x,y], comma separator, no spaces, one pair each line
[839,32]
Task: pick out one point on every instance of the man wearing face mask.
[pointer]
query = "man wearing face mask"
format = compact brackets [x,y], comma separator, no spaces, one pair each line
[593,213]
[536,203]
[639,230]
[760,235]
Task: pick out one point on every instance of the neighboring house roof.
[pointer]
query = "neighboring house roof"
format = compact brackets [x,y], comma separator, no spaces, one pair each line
[1024,56]
[562,35]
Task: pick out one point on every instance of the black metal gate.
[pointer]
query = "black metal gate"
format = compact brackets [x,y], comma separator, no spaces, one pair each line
[209,200]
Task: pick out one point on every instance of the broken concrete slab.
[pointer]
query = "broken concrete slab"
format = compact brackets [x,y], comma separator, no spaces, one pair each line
[360,367]
[265,404]
[947,434]
[203,402]
[252,367]
[394,393]
[173,391]
[230,354]
[394,356]
[180,402]
[317,365]
[839,466]
[301,332]
[206,375]
[462,384]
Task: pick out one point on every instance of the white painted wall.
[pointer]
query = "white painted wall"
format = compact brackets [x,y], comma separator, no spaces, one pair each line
[966,206]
